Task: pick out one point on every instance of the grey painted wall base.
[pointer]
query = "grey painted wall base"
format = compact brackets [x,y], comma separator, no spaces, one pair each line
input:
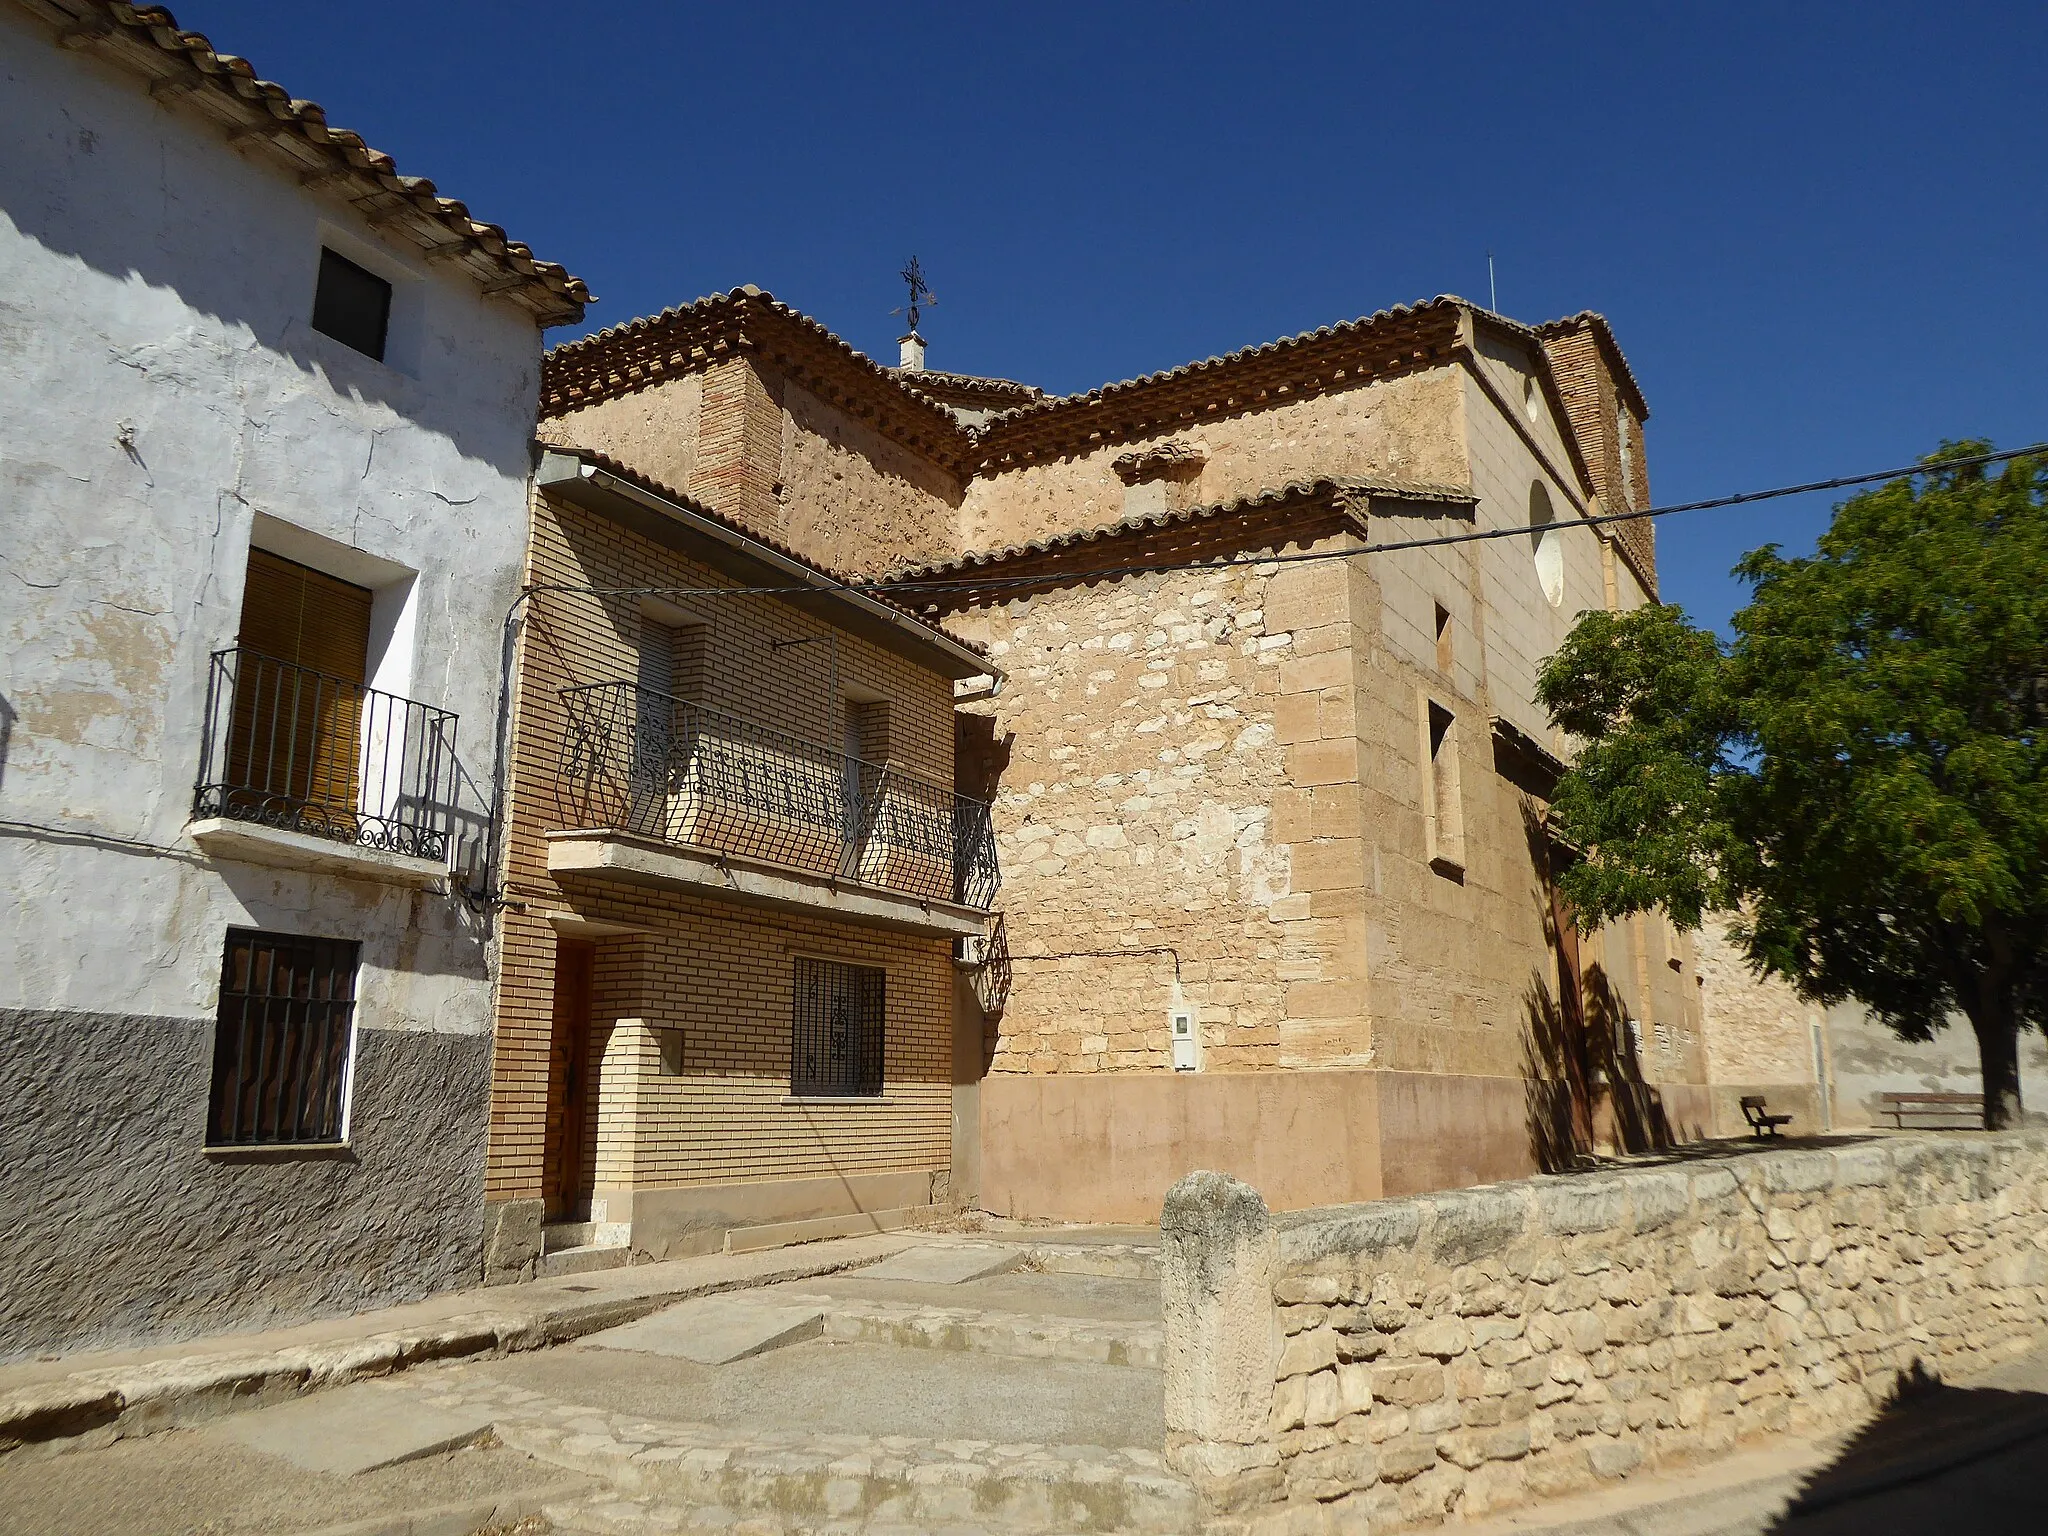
[121,1228]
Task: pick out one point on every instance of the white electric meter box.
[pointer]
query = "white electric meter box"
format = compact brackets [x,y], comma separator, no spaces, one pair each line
[1182,1026]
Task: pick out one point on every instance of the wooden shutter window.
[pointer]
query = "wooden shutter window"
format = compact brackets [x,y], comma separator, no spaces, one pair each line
[305,639]
[306,617]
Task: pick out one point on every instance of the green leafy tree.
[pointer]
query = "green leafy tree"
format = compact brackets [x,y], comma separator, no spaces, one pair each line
[1861,775]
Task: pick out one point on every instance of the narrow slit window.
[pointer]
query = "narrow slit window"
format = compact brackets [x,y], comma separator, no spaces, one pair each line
[352,305]
[837,1040]
[1445,806]
[1445,639]
[283,1041]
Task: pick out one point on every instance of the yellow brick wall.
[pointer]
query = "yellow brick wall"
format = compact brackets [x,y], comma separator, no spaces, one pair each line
[719,973]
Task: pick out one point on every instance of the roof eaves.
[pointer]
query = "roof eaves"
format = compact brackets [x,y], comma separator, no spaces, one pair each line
[683,338]
[1346,490]
[1089,417]
[1603,337]
[147,41]
[804,572]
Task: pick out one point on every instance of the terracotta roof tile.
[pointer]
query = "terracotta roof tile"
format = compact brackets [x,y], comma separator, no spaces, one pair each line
[1391,341]
[1345,489]
[938,381]
[149,41]
[640,353]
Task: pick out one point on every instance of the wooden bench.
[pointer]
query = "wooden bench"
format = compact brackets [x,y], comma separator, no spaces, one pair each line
[1947,1108]
[1761,1122]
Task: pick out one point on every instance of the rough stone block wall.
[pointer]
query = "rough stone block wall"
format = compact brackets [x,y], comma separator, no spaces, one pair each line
[1405,1360]
[1139,811]
[855,499]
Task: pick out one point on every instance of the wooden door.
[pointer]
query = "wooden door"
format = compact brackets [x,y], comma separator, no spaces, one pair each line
[1572,1008]
[570,1149]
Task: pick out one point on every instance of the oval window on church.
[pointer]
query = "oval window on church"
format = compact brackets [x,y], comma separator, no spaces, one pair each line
[1546,540]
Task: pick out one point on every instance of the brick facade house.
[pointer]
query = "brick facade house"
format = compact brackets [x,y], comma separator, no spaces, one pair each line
[736,870]
[1278,895]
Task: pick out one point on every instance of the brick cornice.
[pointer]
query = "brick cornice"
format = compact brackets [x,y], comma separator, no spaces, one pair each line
[748,322]
[1300,512]
[1401,340]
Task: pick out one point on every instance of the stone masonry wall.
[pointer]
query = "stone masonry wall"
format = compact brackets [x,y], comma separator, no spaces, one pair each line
[1406,1360]
[1404,427]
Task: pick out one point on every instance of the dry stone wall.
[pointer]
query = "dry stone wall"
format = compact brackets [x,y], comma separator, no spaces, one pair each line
[1404,1360]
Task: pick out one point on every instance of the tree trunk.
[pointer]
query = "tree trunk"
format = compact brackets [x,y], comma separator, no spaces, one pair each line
[1995,1018]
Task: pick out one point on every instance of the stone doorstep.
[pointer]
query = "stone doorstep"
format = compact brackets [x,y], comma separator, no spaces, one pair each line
[89,1409]
[588,1259]
[824,1480]
[1030,1336]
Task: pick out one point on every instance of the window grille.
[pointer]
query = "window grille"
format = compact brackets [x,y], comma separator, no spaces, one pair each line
[281,1044]
[836,1045]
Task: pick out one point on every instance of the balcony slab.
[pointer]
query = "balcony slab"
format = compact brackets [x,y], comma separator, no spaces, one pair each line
[604,854]
[250,842]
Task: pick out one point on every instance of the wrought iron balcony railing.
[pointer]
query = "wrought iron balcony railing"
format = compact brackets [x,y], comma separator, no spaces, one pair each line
[286,746]
[634,760]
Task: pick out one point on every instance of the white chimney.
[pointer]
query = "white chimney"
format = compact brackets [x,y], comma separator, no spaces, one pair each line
[912,356]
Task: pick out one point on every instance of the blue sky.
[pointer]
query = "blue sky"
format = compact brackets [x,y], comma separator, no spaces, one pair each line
[1821,232]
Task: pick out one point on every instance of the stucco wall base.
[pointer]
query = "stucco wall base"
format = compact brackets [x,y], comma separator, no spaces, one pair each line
[123,1229]
[678,1221]
[1107,1147]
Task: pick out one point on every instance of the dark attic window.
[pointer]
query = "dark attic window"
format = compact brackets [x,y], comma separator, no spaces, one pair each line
[352,305]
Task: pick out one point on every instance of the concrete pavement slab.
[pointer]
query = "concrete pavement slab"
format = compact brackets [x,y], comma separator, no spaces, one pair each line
[353,1430]
[716,1330]
[946,1263]
[193,1483]
[85,1401]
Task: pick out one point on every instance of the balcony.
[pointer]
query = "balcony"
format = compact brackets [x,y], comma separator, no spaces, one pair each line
[661,791]
[304,770]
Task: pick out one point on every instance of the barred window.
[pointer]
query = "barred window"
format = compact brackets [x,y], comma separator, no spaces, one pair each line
[281,1042]
[836,1046]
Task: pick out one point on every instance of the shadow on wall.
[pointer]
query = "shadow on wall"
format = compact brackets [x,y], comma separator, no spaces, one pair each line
[152,197]
[1583,1084]
[1584,1089]
[1936,1458]
[7,717]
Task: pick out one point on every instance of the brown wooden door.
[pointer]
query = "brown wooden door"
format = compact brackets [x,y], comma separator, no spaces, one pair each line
[570,1169]
[1571,999]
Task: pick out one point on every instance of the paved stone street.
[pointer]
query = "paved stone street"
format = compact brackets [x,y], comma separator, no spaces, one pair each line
[892,1397]
[1026,1396]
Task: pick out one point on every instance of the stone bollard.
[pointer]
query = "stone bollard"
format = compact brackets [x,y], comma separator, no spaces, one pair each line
[1218,1254]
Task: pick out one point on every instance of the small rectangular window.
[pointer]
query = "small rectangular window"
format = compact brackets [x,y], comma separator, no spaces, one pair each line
[1446,651]
[836,1044]
[352,305]
[282,1039]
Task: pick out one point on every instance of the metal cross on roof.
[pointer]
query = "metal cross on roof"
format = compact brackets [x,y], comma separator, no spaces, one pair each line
[921,297]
